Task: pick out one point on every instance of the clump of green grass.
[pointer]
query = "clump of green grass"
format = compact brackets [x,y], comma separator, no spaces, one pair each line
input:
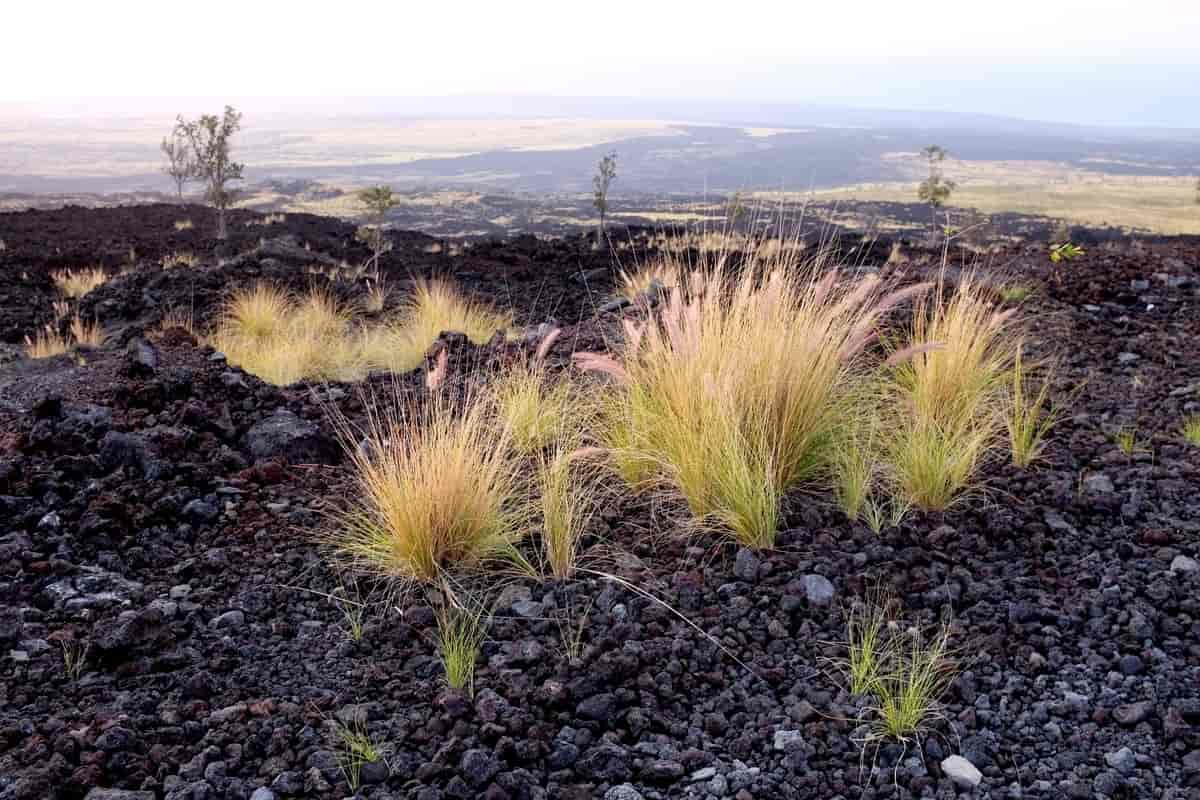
[536,406]
[461,632]
[1126,439]
[729,396]
[355,749]
[74,656]
[905,670]
[1191,430]
[948,385]
[1028,416]
[438,488]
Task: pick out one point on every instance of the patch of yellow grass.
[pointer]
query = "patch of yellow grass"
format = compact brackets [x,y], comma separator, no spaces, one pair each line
[536,407]
[438,488]
[88,334]
[77,283]
[730,396]
[46,343]
[184,225]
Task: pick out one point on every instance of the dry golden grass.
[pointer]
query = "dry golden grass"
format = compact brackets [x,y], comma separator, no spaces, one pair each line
[87,334]
[77,283]
[46,343]
[730,396]
[184,225]
[568,487]
[438,488]
[536,406]
[179,318]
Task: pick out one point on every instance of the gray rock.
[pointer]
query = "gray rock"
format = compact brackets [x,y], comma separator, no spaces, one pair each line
[230,619]
[746,564]
[787,741]
[1127,358]
[1099,483]
[140,357]
[1123,761]
[479,766]
[1131,714]
[817,589]
[288,784]
[598,707]
[200,510]
[284,435]
[622,792]
[962,772]
[1184,564]
[263,793]
[117,794]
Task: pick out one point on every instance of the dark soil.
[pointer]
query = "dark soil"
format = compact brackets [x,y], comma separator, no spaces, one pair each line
[157,506]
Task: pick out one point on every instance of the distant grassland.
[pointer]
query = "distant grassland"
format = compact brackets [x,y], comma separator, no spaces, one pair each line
[1161,204]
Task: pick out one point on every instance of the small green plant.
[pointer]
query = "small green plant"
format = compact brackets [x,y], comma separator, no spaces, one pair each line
[1015,293]
[377,201]
[905,670]
[881,512]
[570,631]
[355,749]
[74,655]
[1065,252]
[854,468]
[1126,439]
[568,485]
[1191,430]
[354,613]
[1027,415]
[461,632]
[917,670]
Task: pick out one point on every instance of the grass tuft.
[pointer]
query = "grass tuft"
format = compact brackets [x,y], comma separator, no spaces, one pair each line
[729,397]
[355,749]
[460,634]
[1028,416]
[77,283]
[948,384]
[438,488]
[568,485]
[46,343]
[535,406]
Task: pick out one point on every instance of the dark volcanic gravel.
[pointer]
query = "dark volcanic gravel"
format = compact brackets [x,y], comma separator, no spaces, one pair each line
[156,507]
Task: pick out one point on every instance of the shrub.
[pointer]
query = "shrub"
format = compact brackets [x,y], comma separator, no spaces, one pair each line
[438,488]
[77,283]
[730,395]
[210,140]
[1028,417]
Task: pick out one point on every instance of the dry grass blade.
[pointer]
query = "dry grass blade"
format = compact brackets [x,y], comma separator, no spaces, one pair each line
[1028,417]
[568,486]
[86,334]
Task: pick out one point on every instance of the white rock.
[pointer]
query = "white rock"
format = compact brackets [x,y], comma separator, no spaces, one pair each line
[962,772]
[1184,564]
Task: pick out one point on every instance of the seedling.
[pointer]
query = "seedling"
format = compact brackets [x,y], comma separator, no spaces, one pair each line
[1015,293]
[1127,440]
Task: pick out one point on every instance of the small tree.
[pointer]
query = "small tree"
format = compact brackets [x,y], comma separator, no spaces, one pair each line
[606,173]
[180,167]
[935,189]
[209,138]
[378,201]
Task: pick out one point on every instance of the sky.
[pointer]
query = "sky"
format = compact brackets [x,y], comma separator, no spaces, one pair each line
[1091,61]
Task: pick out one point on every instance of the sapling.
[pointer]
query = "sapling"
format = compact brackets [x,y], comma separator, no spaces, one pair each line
[210,138]
[378,201]
[606,173]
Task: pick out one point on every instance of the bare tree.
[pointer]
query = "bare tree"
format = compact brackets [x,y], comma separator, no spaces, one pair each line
[935,189]
[378,200]
[209,138]
[606,173]
[180,167]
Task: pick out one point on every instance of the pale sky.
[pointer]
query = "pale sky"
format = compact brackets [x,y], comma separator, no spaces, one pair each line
[1121,61]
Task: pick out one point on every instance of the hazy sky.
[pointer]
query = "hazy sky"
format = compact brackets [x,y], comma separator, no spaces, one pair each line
[1107,61]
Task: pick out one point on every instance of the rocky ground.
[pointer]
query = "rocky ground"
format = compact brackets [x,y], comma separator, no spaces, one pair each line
[157,509]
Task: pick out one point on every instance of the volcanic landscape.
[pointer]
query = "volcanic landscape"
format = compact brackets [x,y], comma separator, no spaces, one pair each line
[173,624]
